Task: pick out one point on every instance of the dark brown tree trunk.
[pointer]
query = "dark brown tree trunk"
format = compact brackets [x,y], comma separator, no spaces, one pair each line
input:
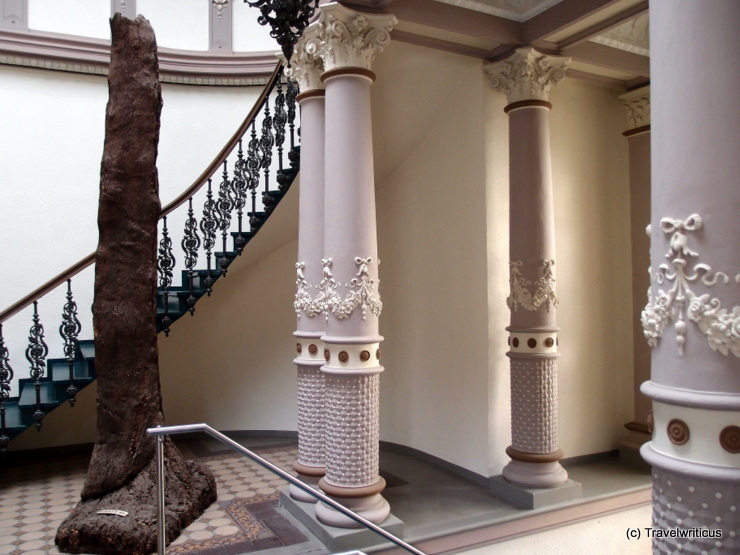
[122,472]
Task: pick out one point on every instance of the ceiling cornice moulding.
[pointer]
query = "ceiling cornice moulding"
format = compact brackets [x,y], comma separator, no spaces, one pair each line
[91,56]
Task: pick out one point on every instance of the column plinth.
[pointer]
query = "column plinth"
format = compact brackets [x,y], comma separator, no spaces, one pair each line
[527,78]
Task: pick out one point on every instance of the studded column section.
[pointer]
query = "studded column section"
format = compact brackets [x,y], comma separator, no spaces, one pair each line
[526,78]
[306,69]
[692,318]
[350,281]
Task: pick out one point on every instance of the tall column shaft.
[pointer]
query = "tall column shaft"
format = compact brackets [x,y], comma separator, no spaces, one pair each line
[526,77]
[309,306]
[350,267]
[692,319]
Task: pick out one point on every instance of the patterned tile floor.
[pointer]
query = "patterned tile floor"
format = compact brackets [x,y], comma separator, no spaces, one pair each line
[36,496]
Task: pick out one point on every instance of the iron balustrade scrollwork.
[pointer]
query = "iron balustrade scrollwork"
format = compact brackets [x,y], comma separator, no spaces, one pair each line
[6,378]
[252,156]
[70,329]
[36,353]
[224,205]
[190,245]
[240,187]
[165,266]
[290,99]
[253,167]
[208,228]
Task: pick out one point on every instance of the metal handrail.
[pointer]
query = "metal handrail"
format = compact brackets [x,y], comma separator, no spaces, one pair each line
[160,431]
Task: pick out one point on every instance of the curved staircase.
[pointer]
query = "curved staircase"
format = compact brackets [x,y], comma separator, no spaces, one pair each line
[230,217]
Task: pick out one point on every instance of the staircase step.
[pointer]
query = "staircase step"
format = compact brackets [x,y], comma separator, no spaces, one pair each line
[86,348]
[14,422]
[58,369]
[246,236]
[47,390]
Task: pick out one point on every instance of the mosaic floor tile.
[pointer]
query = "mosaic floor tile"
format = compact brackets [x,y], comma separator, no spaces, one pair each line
[37,495]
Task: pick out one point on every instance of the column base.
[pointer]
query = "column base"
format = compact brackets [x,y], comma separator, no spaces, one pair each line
[300,495]
[339,539]
[374,508]
[535,475]
[534,498]
[366,501]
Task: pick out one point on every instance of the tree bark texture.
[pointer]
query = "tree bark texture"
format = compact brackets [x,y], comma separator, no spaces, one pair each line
[122,471]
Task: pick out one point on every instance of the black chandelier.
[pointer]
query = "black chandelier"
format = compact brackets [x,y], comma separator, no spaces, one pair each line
[288,19]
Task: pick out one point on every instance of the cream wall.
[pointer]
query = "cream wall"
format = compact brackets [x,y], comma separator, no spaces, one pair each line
[592,228]
[433,248]
[441,159]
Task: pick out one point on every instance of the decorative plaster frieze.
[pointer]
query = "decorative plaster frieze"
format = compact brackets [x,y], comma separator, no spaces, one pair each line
[303,303]
[720,325]
[361,294]
[527,74]
[632,36]
[522,296]
[516,10]
[350,38]
[220,5]
[637,106]
[306,66]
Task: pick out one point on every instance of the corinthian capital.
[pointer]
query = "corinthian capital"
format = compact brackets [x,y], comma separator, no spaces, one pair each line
[306,65]
[527,74]
[637,106]
[350,38]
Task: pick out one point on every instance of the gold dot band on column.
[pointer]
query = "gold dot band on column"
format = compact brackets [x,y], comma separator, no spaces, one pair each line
[352,357]
[729,439]
[533,343]
[310,351]
[678,431]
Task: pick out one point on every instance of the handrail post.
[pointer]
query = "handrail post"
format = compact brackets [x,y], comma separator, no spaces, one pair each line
[161,522]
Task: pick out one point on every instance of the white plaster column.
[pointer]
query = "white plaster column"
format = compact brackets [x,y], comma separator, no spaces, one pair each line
[350,282]
[692,319]
[306,70]
[526,78]
[637,106]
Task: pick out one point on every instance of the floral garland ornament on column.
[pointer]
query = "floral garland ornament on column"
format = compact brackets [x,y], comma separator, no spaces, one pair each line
[361,294]
[520,293]
[720,325]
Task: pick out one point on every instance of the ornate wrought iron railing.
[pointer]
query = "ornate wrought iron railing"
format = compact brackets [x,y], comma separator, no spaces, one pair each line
[237,192]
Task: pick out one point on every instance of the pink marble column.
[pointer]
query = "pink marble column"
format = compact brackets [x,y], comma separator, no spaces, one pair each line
[526,78]
[637,106]
[306,70]
[350,266]
[692,319]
